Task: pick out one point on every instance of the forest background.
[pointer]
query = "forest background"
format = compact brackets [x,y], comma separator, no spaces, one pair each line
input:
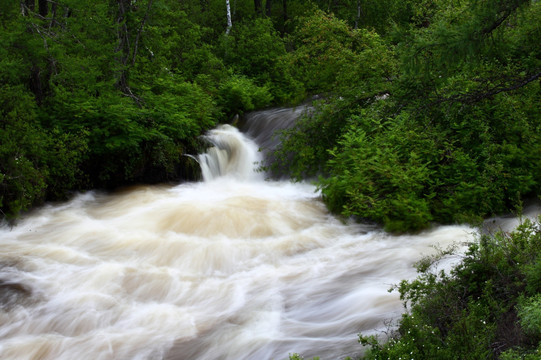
[428,111]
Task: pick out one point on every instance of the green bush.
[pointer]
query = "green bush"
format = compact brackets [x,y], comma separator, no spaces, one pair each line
[457,118]
[239,94]
[303,150]
[405,169]
[255,50]
[373,178]
[530,316]
[331,57]
[35,163]
[482,309]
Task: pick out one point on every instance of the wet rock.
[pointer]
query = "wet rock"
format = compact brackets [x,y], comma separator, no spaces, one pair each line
[13,293]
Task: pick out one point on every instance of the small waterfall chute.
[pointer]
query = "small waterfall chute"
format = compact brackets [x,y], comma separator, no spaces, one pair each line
[232,154]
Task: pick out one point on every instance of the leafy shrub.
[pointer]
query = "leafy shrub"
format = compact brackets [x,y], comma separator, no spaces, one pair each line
[330,56]
[35,164]
[405,168]
[239,94]
[252,49]
[374,177]
[471,312]
[256,50]
[530,316]
[303,150]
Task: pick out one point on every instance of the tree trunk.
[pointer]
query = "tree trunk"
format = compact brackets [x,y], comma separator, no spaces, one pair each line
[30,4]
[36,84]
[204,5]
[229,22]
[124,49]
[26,6]
[143,22]
[358,17]
[123,38]
[268,6]
[43,7]
[53,16]
[258,7]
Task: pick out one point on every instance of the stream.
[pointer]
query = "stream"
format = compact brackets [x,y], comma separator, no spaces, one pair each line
[232,267]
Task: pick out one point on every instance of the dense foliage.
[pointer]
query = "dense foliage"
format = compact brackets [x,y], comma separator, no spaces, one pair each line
[487,307]
[107,93]
[429,112]
[438,118]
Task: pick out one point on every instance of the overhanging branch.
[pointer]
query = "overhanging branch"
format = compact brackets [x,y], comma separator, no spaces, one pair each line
[476,96]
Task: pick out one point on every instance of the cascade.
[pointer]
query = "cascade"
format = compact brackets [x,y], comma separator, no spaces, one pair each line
[232,155]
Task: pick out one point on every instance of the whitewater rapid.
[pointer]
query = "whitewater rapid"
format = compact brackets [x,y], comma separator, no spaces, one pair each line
[234,267]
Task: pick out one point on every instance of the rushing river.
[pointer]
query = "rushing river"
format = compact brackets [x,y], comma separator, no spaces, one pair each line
[234,267]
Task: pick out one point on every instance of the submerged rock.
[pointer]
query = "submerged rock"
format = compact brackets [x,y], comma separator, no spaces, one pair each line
[13,293]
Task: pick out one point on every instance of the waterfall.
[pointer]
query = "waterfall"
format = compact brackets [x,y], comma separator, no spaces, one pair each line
[232,155]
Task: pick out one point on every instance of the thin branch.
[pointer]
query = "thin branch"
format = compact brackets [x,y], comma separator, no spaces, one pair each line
[496,23]
[136,45]
[122,33]
[507,12]
[523,82]
[476,96]
[53,16]
[126,91]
